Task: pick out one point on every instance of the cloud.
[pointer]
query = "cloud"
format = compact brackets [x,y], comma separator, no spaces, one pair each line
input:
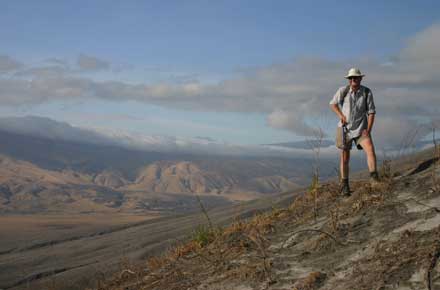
[423,49]
[8,64]
[294,95]
[281,119]
[398,133]
[91,63]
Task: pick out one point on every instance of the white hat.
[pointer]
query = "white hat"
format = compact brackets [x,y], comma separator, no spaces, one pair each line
[354,72]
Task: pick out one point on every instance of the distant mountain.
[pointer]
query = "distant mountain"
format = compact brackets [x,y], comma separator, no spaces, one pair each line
[180,177]
[162,186]
[50,166]
[189,177]
[26,188]
[110,178]
[56,146]
[47,128]
[50,129]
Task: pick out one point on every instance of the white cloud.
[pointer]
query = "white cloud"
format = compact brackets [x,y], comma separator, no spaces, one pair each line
[423,49]
[291,94]
[398,131]
[281,119]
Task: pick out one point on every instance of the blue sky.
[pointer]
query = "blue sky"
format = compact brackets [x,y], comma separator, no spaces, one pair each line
[202,42]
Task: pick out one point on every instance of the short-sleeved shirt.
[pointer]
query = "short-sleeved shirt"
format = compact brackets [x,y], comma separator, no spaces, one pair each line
[356,108]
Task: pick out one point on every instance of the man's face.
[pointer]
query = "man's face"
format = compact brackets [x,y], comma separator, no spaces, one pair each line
[355,81]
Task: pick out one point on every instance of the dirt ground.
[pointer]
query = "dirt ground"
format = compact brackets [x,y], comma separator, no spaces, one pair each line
[21,231]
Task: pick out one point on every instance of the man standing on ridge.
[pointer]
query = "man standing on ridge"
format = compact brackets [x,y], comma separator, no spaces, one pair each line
[354,106]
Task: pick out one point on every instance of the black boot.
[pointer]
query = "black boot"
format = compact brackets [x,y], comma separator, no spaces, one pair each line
[374,175]
[374,178]
[345,187]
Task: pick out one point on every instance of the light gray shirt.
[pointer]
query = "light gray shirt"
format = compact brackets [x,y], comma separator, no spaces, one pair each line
[356,108]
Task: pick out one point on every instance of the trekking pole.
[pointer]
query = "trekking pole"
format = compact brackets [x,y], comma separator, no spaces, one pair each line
[344,134]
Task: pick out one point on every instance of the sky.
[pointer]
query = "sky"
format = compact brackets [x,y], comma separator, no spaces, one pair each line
[243,72]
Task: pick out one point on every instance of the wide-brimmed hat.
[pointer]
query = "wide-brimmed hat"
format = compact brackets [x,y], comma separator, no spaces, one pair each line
[354,72]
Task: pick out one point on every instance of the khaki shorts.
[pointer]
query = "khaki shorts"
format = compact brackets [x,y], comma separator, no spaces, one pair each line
[349,142]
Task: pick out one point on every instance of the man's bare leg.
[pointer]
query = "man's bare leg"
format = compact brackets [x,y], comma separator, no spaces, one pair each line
[344,163]
[345,160]
[367,145]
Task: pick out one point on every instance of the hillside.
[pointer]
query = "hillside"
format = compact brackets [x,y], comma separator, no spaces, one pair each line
[188,177]
[163,186]
[385,236]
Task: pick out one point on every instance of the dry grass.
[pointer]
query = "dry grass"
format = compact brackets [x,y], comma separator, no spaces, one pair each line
[368,196]
[395,261]
[312,281]
[212,251]
[434,257]
[240,251]
[333,209]
[435,175]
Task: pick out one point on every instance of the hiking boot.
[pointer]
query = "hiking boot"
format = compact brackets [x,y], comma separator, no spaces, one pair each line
[345,188]
[374,178]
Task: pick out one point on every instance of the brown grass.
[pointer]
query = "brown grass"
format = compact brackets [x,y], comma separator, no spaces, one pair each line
[240,251]
[435,176]
[310,282]
[395,261]
[218,254]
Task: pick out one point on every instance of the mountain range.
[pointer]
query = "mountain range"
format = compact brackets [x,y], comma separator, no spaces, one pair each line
[51,166]
[44,127]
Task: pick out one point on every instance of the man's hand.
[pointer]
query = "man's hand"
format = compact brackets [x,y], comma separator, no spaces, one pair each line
[338,112]
[365,133]
[343,119]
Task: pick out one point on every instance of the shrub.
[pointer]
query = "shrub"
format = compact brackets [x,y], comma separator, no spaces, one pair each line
[203,235]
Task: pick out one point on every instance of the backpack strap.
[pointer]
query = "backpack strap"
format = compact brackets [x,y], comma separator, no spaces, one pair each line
[366,92]
[344,94]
